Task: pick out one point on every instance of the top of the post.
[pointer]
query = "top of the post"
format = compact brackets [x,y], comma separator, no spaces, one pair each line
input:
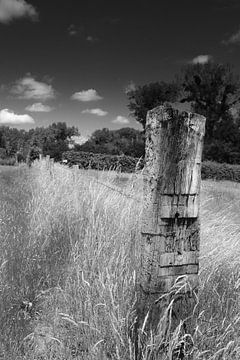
[175,112]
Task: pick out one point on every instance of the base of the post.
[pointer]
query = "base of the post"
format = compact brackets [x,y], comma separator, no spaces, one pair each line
[159,315]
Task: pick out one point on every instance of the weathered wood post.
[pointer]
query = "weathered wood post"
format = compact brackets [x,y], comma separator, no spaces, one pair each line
[75,172]
[51,167]
[170,221]
[48,162]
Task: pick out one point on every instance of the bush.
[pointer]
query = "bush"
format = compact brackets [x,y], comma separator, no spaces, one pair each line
[87,160]
[8,161]
[3,153]
[214,170]
[210,169]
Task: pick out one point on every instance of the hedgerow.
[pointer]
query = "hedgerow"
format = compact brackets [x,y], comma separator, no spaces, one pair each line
[85,160]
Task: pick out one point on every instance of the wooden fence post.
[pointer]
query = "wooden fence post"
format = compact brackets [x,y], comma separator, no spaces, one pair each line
[48,162]
[75,172]
[170,223]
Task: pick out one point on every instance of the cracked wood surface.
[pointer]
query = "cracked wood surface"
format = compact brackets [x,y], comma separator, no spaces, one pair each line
[170,222]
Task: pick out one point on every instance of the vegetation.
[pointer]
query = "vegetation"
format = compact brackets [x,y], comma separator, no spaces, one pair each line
[23,145]
[125,141]
[216,171]
[146,97]
[69,256]
[86,160]
[210,89]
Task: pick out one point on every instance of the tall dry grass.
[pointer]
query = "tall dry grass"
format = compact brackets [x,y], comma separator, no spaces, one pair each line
[68,268]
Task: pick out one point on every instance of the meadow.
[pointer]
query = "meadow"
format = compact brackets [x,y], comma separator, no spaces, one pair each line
[68,262]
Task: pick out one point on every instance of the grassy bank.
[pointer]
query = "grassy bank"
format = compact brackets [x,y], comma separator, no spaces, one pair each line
[68,260]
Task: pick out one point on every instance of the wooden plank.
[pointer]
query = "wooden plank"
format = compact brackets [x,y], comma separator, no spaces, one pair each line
[175,259]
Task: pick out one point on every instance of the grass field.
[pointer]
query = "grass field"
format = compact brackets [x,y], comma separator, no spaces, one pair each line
[68,259]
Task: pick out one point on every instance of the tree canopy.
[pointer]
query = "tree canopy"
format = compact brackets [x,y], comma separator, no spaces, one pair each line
[125,141]
[146,97]
[52,140]
[212,90]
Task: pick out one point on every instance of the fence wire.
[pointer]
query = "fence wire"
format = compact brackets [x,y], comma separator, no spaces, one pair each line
[108,186]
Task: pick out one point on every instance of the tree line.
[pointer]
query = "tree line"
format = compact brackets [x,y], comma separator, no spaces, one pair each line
[28,145]
[210,89]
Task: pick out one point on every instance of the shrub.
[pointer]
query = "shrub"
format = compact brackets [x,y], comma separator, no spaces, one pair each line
[214,170]
[128,164]
[3,153]
[87,160]
[8,161]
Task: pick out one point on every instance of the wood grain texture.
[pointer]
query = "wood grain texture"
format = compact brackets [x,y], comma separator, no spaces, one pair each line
[170,222]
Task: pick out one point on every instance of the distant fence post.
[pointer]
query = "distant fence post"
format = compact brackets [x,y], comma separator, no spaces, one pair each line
[48,161]
[75,172]
[170,223]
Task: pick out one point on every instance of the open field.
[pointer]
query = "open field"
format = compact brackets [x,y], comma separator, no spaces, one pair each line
[68,262]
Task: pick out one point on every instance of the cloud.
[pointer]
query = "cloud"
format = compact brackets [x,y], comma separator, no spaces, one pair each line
[234,39]
[86,95]
[13,9]
[130,87]
[9,117]
[39,107]
[72,31]
[201,59]
[121,120]
[79,139]
[98,112]
[91,39]
[28,88]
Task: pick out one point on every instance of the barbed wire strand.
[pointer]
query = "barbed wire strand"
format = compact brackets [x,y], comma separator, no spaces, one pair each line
[110,187]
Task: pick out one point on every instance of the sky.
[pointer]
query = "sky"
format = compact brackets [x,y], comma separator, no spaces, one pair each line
[73,60]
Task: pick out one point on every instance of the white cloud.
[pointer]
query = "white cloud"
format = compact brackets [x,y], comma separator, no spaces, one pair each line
[13,9]
[130,87]
[39,107]
[201,59]
[9,117]
[72,31]
[29,88]
[86,95]
[91,39]
[121,120]
[98,112]
[79,139]
[234,39]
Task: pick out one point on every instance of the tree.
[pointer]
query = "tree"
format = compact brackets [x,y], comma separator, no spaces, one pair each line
[125,141]
[53,140]
[213,90]
[146,97]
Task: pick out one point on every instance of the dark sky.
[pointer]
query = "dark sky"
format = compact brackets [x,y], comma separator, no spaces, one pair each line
[53,49]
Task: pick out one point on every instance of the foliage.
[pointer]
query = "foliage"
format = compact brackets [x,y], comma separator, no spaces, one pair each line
[11,161]
[212,89]
[210,169]
[147,97]
[86,160]
[3,153]
[125,141]
[216,171]
[34,153]
[52,140]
